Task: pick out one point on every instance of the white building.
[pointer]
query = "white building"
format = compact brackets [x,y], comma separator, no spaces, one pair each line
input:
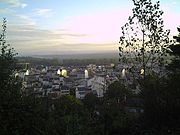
[98,85]
[86,74]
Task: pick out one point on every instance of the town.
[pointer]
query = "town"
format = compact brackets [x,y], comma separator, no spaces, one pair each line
[56,81]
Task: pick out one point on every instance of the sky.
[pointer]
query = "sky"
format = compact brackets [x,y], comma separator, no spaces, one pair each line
[57,27]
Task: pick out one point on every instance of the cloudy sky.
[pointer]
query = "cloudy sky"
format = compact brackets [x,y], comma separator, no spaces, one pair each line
[39,27]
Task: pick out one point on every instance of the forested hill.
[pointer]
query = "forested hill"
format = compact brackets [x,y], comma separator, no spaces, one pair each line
[66,62]
[107,55]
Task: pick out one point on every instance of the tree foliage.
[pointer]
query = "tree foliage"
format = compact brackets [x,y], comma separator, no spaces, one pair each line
[161,103]
[175,52]
[144,41]
[7,59]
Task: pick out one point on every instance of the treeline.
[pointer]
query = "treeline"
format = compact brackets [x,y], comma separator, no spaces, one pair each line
[66,62]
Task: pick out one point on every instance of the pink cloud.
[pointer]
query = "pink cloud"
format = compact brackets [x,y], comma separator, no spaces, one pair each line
[101,27]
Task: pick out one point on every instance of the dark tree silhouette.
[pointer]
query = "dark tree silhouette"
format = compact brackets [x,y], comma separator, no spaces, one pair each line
[7,59]
[176,48]
[161,97]
[175,51]
[144,41]
[9,88]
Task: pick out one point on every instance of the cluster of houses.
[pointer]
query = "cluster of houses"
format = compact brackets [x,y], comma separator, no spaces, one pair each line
[55,81]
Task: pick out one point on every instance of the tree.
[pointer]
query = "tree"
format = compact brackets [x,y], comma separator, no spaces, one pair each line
[162,103]
[177,37]
[91,102]
[67,117]
[91,106]
[144,41]
[175,51]
[161,95]
[7,59]
[112,110]
[9,88]
[118,92]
